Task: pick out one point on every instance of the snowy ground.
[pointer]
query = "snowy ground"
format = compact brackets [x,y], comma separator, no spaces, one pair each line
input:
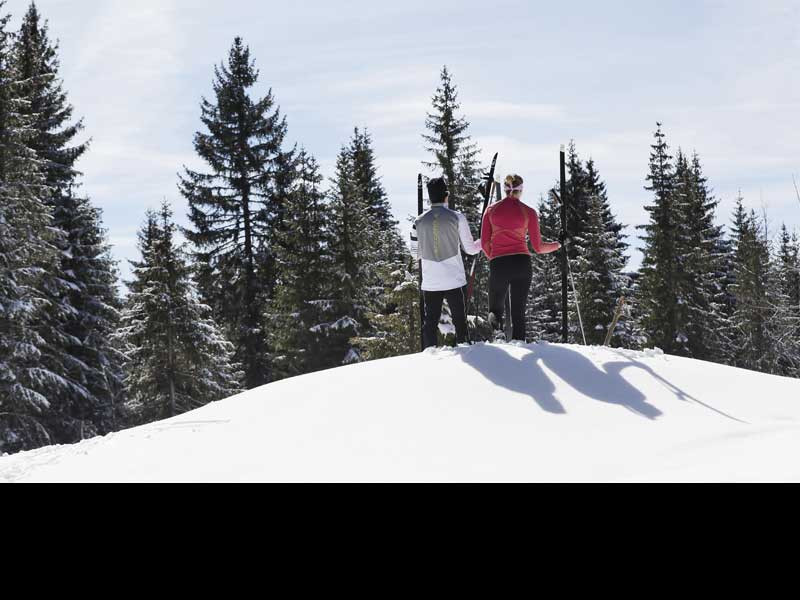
[482,413]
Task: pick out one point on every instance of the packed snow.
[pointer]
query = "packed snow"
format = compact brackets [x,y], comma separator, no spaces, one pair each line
[482,413]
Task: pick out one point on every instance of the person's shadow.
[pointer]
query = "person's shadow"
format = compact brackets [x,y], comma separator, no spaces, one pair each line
[527,376]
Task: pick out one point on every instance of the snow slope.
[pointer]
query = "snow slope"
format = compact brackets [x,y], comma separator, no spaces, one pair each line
[482,413]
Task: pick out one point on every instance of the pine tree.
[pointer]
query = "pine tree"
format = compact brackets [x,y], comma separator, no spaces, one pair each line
[788,274]
[396,332]
[543,312]
[599,268]
[80,289]
[354,244]
[598,248]
[454,153]
[702,266]
[658,300]
[455,156]
[301,303]
[177,358]
[26,251]
[578,197]
[761,320]
[234,208]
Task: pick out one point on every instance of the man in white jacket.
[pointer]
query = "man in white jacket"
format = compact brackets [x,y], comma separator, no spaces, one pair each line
[441,233]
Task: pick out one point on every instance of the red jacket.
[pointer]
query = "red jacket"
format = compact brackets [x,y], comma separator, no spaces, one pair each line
[505,225]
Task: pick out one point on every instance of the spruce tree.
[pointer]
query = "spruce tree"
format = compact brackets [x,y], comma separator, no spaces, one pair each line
[26,251]
[302,303]
[354,244]
[762,322]
[455,156]
[81,287]
[395,332]
[543,311]
[599,268]
[235,205]
[177,359]
[658,300]
[598,248]
[702,265]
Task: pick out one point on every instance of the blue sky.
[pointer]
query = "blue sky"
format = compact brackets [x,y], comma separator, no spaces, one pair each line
[722,76]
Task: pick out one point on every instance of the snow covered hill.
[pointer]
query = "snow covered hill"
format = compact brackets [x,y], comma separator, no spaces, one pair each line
[483,413]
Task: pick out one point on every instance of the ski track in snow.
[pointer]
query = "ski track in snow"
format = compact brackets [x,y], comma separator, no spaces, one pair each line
[486,412]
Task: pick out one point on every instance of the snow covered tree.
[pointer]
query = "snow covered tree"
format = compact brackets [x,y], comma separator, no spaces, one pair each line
[788,266]
[26,252]
[454,155]
[543,312]
[354,243]
[80,288]
[397,330]
[701,274]
[365,176]
[302,303]
[659,300]
[599,279]
[177,359]
[234,206]
[762,321]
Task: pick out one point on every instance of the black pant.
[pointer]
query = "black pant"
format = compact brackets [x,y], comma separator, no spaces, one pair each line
[513,271]
[433,312]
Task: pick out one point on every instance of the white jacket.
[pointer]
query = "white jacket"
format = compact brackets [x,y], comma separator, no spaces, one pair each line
[440,233]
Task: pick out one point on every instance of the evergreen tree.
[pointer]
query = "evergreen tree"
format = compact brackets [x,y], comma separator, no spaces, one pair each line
[702,266]
[543,312]
[396,332]
[599,267]
[578,197]
[762,322]
[26,251]
[177,358]
[598,248]
[235,206]
[454,153]
[658,300]
[354,239]
[81,288]
[301,303]
[789,267]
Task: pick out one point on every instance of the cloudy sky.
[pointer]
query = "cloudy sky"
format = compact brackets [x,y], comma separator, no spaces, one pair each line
[722,76]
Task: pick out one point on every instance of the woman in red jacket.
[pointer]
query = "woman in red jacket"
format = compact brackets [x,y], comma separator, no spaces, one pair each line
[507,225]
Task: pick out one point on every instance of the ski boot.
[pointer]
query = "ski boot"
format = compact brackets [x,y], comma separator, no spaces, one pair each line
[498,335]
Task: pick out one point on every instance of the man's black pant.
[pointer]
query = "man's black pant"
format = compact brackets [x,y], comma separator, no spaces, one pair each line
[433,312]
[514,271]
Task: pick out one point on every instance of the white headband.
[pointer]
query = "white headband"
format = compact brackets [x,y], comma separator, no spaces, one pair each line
[510,188]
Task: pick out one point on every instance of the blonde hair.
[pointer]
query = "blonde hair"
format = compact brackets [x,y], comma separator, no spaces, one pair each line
[511,183]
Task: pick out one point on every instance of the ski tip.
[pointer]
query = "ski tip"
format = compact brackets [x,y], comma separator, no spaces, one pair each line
[563,148]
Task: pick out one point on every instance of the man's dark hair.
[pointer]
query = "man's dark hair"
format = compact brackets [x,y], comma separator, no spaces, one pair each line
[437,190]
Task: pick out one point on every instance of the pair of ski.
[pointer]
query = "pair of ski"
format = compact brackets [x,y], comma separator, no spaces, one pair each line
[490,185]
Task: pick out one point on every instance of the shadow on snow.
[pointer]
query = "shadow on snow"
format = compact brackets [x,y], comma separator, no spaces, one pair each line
[526,375]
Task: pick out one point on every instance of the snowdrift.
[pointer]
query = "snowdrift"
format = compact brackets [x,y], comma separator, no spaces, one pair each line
[489,412]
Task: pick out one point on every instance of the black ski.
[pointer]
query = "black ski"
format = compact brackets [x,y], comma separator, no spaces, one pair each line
[487,194]
[420,209]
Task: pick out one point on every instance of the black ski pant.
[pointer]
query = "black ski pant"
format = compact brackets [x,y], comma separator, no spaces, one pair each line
[433,312]
[515,272]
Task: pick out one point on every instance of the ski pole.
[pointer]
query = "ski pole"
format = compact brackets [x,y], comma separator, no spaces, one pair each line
[575,293]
